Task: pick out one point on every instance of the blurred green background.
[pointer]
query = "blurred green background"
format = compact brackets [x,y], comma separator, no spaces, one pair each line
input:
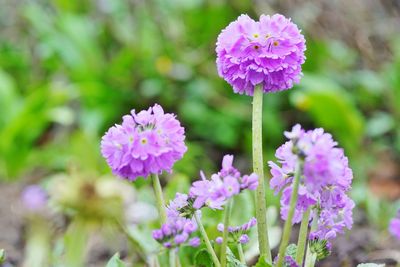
[70,69]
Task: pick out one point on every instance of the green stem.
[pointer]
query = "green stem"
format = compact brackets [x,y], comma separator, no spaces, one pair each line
[311,258]
[241,254]
[159,197]
[302,242]
[258,168]
[75,242]
[287,229]
[207,241]
[172,258]
[224,245]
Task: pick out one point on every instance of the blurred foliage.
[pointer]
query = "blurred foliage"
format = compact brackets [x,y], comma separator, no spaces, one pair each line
[71,69]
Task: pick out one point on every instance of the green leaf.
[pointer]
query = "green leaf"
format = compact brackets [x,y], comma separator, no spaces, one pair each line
[232,261]
[262,262]
[115,261]
[370,265]
[324,99]
[203,259]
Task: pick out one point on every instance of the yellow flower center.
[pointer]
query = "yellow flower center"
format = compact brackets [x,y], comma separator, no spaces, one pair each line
[275,43]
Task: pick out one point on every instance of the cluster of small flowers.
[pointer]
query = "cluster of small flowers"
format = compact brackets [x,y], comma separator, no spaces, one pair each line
[237,234]
[394,226]
[223,185]
[148,142]
[326,178]
[178,229]
[269,51]
[205,193]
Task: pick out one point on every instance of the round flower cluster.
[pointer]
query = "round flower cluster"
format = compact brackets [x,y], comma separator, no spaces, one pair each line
[178,229]
[326,178]
[147,142]
[269,51]
[394,226]
[237,234]
[222,186]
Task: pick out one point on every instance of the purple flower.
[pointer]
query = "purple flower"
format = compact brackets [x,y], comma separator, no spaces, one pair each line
[148,142]
[268,51]
[237,234]
[34,197]
[223,185]
[158,234]
[181,238]
[288,261]
[250,182]
[250,224]
[325,180]
[179,225]
[244,239]
[194,242]
[394,226]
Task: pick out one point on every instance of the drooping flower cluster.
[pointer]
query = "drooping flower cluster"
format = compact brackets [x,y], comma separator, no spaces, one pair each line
[326,178]
[147,142]
[178,229]
[223,185]
[237,234]
[268,51]
[394,226]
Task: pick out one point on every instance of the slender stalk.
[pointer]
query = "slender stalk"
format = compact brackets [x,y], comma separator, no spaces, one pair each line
[241,254]
[287,229]
[75,242]
[311,258]
[258,168]
[207,241]
[159,197]
[302,242]
[224,245]
[172,258]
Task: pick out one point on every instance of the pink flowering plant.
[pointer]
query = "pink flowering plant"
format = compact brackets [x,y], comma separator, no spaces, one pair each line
[311,173]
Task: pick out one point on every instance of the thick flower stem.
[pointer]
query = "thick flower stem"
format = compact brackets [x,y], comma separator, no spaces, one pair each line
[207,241]
[258,168]
[241,253]
[159,197]
[224,245]
[302,242]
[287,229]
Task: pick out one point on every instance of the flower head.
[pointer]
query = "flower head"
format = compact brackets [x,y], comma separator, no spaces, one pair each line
[325,180]
[223,185]
[268,51]
[147,142]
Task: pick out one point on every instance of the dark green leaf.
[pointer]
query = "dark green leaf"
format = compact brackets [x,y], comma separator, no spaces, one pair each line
[203,259]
